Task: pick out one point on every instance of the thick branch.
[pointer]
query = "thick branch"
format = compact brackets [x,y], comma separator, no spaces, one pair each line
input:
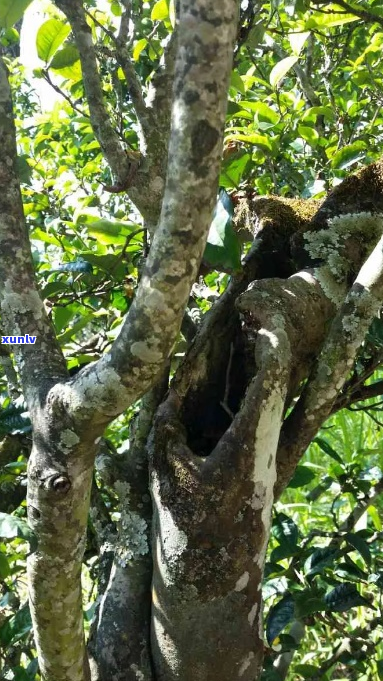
[346,334]
[40,364]
[207,34]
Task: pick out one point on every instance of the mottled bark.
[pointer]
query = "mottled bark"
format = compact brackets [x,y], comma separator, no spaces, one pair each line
[122,636]
[69,415]
[218,443]
[203,65]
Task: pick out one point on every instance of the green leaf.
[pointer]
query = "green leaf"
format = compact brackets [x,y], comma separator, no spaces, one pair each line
[262,110]
[223,250]
[375,517]
[349,154]
[350,571]
[320,559]
[308,670]
[328,19]
[50,37]
[252,138]
[310,135]
[237,82]
[160,11]
[5,570]
[285,530]
[233,169]
[16,627]
[359,545]
[67,62]
[308,602]
[302,477]
[116,8]
[62,315]
[109,232]
[78,326]
[279,617]
[11,526]
[279,71]
[11,11]
[379,668]
[327,449]
[297,40]
[344,597]
[24,170]
[139,46]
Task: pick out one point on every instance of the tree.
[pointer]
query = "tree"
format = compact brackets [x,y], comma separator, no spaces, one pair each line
[181,520]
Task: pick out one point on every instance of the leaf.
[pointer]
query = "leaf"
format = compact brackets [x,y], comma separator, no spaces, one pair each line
[375,517]
[108,231]
[65,57]
[308,602]
[262,110]
[302,477]
[223,250]
[350,571]
[330,18]
[160,11]
[62,315]
[310,135]
[349,154]
[116,8]
[139,46]
[5,570]
[279,617]
[24,170]
[320,559]
[237,82]
[11,526]
[297,40]
[344,597]
[279,71]
[252,138]
[67,63]
[11,11]
[78,326]
[308,670]
[325,447]
[233,169]
[359,545]
[285,530]
[50,37]
[17,626]
[379,668]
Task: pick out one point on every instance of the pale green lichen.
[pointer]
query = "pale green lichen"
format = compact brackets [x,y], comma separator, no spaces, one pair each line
[336,246]
[342,247]
[69,439]
[145,353]
[133,538]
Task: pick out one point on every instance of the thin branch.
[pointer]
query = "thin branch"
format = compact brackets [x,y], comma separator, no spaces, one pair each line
[114,152]
[59,91]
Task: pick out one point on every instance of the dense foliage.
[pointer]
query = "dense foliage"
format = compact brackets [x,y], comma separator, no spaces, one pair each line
[305,109]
